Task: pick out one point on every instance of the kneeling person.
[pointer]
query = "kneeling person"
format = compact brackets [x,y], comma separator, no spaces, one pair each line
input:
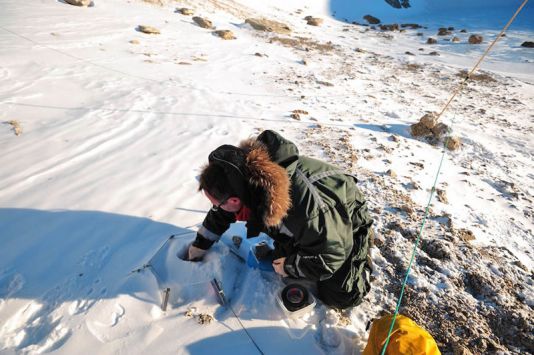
[314,212]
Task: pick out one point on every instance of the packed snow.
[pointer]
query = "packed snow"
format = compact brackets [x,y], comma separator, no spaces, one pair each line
[105,129]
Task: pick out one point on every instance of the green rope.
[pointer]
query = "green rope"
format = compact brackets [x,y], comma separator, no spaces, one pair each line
[416,244]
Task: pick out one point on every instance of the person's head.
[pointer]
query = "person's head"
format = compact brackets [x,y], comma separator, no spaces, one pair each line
[223,179]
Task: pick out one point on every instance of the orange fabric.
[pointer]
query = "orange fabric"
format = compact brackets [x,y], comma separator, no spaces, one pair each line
[406,338]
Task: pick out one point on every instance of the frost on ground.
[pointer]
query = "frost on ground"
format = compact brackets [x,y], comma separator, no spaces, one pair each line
[104,130]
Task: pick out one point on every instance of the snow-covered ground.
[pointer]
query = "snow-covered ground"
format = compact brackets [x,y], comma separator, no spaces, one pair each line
[115,125]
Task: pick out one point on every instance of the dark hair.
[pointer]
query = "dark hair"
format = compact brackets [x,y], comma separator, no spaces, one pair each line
[225,174]
[213,179]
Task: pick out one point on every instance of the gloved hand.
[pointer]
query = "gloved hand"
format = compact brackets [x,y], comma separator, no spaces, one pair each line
[195,254]
[278,265]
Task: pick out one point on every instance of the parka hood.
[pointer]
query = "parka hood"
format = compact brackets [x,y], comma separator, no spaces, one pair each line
[270,160]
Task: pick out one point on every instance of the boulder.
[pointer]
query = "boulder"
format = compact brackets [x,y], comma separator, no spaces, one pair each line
[314,21]
[148,29]
[412,26]
[431,40]
[203,22]
[261,24]
[527,44]
[371,19]
[444,32]
[79,2]
[185,11]
[475,39]
[224,34]
[392,27]
[453,143]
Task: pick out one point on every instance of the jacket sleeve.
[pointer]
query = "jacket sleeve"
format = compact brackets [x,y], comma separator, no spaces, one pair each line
[214,225]
[321,248]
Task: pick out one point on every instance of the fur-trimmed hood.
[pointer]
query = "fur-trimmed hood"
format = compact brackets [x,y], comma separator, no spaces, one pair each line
[270,161]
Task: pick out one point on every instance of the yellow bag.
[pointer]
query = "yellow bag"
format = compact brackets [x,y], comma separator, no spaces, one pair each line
[406,338]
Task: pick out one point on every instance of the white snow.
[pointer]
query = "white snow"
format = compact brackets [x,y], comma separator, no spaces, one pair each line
[114,134]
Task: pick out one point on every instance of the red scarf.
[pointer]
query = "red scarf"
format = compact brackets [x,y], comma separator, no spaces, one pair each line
[243,214]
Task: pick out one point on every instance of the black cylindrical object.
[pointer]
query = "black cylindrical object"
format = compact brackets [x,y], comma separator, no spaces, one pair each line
[295,297]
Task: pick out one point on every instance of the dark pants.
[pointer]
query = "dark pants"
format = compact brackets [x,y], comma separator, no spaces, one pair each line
[347,287]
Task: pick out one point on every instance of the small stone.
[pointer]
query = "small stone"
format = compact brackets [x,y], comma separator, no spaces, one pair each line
[431,40]
[185,11]
[315,21]
[527,44]
[148,29]
[434,53]
[439,130]
[420,130]
[17,128]
[391,173]
[225,34]
[475,39]
[463,31]
[441,196]
[429,120]
[455,40]
[202,22]
[301,112]
[295,116]
[260,24]
[134,41]
[443,32]
[453,143]
[371,19]
[79,2]
[408,53]
[392,27]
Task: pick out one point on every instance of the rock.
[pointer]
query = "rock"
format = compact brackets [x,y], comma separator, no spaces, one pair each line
[202,22]
[419,34]
[431,40]
[475,39]
[148,29]
[440,130]
[392,27]
[434,53]
[455,40]
[17,128]
[429,120]
[450,28]
[134,41]
[408,53]
[458,349]
[371,19]
[436,249]
[453,143]
[442,196]
[295,116]
[315,21]
[464,234]
[391,173]
[224,34]
[79,2]
[412,26]
[444,32]
[420,130]
[463,31]
[527,44]
[301,112]
[260,24]
[185,11]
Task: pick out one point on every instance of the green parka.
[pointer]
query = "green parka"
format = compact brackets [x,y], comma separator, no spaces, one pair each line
[323,223]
